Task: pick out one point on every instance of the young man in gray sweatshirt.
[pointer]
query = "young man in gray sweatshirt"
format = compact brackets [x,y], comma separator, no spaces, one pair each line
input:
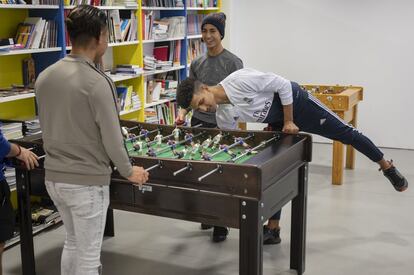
[78,114]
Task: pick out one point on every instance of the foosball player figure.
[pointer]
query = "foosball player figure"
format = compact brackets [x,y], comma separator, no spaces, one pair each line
[158,139]
[124,131]
[132,137]
[151,152]
[176,132]
[240,141]
[172,144]
[206,156]
[144,133]
[206,143]
[195,149]
[226,149]
[178,154]
[185,150]
[188,137]
[216,140]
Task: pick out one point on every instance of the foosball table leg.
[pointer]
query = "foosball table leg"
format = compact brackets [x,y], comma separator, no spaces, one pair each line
[298,224]
[337,163]
[251,239]
[109,225]
[25,219]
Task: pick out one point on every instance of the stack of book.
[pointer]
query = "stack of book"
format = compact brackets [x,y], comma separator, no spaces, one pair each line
[14,91]
[127,69]
[149,63]
[151,115]
[10,174]
[12,130]
[32,127]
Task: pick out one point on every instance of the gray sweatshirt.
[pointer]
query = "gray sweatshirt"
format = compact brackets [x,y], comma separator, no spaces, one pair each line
[78,114]
[210,70]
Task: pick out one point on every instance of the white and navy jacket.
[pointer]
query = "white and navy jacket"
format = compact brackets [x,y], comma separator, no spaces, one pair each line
[251,94]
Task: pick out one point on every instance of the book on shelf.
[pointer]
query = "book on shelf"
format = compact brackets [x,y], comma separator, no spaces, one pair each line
[194,23]
[163,28]
[35,33]
[29,74]
[127,69]
[12,130]
[15,90]
[195,48]
[163,3]
[202,3]
[162,114]
[128,98]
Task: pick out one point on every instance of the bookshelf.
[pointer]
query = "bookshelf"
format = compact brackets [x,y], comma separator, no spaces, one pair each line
[127,52]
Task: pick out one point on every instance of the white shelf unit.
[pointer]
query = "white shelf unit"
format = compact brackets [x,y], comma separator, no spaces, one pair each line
[129,111]
[121,77]
[202,9]
[107,7]
[16,97]
[29,7]
[174,68]
[194,36]
[162,40]
[163,8]
[117,44]
[30,51]
[158,102]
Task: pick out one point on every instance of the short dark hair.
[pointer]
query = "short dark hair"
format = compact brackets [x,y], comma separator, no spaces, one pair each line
[85,22]
[186,90]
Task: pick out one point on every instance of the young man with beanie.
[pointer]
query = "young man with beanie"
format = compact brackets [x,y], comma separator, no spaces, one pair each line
[82,136]
[269,98]
[211,68]
[10,150]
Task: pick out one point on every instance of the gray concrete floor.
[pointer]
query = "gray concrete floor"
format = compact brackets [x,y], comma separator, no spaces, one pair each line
[363,227]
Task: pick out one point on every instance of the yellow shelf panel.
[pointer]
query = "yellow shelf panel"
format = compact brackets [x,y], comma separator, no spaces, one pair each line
[18,108]
[11,71]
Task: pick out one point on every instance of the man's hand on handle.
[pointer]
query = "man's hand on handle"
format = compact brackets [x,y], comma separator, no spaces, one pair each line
[139,175]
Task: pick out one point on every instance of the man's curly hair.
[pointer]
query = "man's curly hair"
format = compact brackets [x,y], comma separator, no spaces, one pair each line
[186,90]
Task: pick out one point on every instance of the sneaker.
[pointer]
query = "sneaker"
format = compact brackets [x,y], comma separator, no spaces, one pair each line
[397,180]
[205,226]
[271,236]
[220,234]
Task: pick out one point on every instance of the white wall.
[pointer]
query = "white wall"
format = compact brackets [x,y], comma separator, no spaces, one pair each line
[359,42]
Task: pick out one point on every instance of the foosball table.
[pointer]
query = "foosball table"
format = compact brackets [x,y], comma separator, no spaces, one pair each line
[226,178]
[343,100]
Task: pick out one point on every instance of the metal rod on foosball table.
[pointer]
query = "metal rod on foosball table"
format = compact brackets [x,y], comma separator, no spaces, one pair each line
[187,167]
[179,143]
[159,164]
[140,136]
[263,143]
[230,146]
[218,169]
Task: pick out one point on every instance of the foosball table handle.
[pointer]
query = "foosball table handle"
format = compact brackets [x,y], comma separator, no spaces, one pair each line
[187,167]
[218,169]
[158,165]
